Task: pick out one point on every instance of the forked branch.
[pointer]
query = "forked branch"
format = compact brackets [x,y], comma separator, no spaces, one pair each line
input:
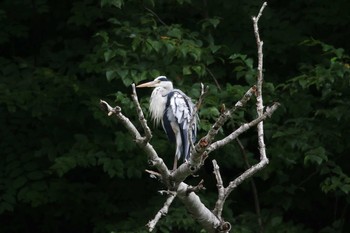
[211,221]
[225,192]
[259,83]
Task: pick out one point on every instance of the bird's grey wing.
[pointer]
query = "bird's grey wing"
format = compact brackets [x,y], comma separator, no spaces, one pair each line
[182,107]
[166,123]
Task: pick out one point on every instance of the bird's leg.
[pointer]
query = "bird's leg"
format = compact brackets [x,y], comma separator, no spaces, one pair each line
[175,163]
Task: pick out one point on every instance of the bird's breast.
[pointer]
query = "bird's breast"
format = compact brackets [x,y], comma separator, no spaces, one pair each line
[157,105]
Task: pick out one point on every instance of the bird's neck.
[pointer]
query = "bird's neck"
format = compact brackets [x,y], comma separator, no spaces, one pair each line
[157,104]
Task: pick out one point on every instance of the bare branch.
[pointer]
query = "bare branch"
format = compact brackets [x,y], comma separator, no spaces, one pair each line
[116,111]
[197,209]
[191,200]
[197,188]
[154,14]
[245,175]
[240,103]
[233,184]
[260,110]
[168,192]
[211,221]
[228,113]
[142,119]
[204,91]
[152,155]
[260,11]
[241,129]
[201,149]
[221,190]
[224,116]
[213,76]
[259,99]
[162,212]
[153,174]
[223,194]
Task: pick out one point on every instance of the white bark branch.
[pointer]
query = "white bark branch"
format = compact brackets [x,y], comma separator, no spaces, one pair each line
[225,192]
[206,140]
[191,200]
[199,154]
[152,155]
[211,221]
[142,119]
[162,212]
[197,188]
[260,79]
[208,220]
[241,129]
[221,190]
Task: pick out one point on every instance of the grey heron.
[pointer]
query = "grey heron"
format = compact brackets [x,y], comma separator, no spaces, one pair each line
[174,110]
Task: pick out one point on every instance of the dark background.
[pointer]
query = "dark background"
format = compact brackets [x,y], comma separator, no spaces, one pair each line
[67,167]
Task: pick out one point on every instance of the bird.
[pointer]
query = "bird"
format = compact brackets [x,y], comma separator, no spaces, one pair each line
[173,109]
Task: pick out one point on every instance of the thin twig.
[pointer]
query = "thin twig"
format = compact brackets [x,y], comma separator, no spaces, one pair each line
[154,14]
[194,116]
[116,111]
[214,78]
[142,119]
[219,205]
[197,188]
[162,212]
[153,174]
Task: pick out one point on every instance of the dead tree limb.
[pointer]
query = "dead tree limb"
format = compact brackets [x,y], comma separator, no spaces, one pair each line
[211,221]
[162,212]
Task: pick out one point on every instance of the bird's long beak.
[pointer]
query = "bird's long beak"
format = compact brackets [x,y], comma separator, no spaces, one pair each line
[148,84]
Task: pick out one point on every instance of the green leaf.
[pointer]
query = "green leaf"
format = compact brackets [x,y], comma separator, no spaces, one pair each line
[111,74]
[116,3]
[317,155]
[198,70]
[276,221]
[123,73]
[175,32]
[156,45]
[214,48]
[109,54]
[186,70]
[345,188]
[210,22]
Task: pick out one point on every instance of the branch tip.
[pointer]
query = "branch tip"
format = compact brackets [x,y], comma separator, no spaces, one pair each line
[163,211]
[197,188]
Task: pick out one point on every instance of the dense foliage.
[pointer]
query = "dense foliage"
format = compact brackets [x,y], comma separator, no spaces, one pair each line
[66,167]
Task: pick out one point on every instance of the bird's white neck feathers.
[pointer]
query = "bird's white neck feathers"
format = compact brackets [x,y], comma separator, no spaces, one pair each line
[158,102]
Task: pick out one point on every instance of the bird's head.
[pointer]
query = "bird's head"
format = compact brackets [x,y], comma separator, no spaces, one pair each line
[160,81]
